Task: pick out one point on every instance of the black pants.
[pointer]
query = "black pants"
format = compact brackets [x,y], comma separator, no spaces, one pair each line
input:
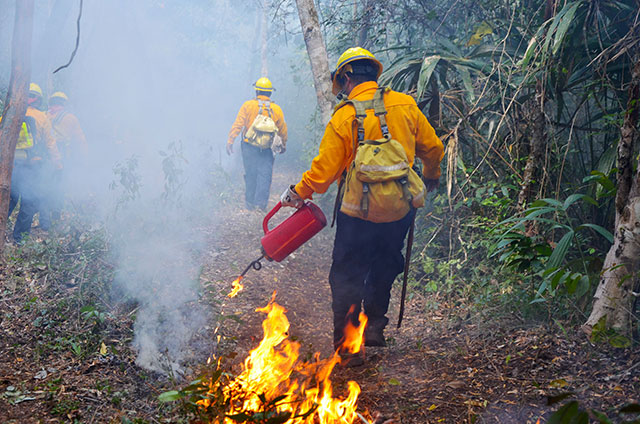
[258,168]
[367,257]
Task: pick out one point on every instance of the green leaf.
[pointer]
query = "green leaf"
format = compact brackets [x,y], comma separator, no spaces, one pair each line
[426,70]
[600,230]
[619,341]
[466,81]
[552,201]
[170,396]
[394,382]
[583,286]
[564,22]
[531,47]
[602,418]
[538,211]
[560,250]
[571,200]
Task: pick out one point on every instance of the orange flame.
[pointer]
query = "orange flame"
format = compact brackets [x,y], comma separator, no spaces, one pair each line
[237,287]
[304,389]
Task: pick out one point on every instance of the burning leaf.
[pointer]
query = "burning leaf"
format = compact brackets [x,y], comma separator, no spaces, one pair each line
[237,287]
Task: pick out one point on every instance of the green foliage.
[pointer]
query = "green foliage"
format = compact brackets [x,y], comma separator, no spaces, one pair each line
[527,244]
[601,333]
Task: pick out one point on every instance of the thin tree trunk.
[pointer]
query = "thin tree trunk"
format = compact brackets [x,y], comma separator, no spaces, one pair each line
[263,39]
[317,56]
[362,24]
[536,148]
[15,104]
[254,48]
[613,300]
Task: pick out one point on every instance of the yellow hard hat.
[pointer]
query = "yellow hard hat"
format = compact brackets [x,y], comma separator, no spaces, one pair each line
[350,55]
[59,95]
[263,84]
[35,89]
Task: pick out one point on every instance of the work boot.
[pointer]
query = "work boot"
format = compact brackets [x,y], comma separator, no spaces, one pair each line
[374,333]
[351,360]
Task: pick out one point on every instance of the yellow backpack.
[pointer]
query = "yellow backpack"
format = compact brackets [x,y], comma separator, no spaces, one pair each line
[380,186]
[263,129]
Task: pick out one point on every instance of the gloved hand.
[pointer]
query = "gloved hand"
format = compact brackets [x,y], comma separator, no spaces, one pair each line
[430,184]
[229,149]
[291,198]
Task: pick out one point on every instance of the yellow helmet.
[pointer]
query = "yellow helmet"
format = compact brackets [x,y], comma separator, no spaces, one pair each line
[35,89]
[263,84]
[59,96]
[350,55]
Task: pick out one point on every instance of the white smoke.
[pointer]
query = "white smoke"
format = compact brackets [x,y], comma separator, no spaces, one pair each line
[154,76]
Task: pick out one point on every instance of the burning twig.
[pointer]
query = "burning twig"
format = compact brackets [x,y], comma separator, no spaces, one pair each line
[237,287]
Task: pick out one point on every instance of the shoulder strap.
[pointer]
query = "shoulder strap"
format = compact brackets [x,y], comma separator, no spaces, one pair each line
[381,111]
[262,103]
[59,117]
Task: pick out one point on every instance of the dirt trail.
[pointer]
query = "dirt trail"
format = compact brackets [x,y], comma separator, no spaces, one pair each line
[436,368]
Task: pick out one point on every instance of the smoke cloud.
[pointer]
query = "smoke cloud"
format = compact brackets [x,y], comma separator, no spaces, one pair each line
[156,85]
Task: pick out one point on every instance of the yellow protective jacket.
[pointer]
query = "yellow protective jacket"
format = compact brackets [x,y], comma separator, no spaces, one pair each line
[247,115]
[68,135]
[44,139]
[406,123]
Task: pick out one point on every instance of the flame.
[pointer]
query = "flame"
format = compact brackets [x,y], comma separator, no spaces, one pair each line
[237,287]
[303,390]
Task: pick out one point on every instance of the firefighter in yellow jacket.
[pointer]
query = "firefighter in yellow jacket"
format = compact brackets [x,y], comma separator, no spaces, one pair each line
[36,159]
[367,256]
[263,131]
[67,132]
[72,146]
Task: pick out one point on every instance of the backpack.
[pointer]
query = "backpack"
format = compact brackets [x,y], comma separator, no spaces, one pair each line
[263,129]
[380,186]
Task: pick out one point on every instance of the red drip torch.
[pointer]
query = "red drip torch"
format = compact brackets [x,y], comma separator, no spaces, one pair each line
[292,233]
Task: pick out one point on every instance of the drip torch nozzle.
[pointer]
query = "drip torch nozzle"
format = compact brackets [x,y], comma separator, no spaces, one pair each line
[254,264]
[237,286]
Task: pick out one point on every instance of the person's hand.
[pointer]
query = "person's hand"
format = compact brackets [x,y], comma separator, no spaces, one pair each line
[291,198]
[229,149]
[431,184]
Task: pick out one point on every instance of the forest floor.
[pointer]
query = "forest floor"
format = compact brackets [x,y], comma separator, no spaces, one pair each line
[444,365]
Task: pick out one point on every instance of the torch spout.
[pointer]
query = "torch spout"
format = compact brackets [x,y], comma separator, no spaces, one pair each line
[254,264]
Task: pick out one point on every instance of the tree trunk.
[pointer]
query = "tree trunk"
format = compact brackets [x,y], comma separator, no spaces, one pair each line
[613,300]
[536,147]
[263,40]
[15,104]
[317,56]
[362,24]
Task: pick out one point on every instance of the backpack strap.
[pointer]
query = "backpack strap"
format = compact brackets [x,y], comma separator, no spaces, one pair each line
[59,117]
[361,107]
[261,104]
[381,111]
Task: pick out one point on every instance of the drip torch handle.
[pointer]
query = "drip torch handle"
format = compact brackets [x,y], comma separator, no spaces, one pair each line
[265,222]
